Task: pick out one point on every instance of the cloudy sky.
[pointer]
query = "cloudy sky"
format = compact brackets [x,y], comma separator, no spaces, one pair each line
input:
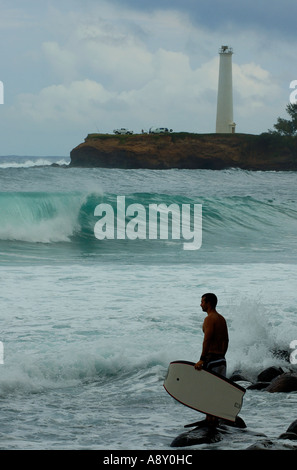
[73,67]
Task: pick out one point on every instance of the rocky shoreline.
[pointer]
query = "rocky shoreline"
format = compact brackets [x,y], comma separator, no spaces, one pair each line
[274,379]
[204,434]
[187,151]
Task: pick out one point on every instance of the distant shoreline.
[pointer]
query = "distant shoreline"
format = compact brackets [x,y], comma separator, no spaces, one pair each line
[182,150]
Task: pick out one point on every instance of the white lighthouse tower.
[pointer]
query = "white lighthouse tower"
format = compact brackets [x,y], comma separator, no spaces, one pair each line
[225,122]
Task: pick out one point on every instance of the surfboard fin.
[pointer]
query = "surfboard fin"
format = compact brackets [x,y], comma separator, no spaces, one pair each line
[196,424]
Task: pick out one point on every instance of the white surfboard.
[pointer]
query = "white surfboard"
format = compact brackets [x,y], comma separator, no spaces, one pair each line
[204,391]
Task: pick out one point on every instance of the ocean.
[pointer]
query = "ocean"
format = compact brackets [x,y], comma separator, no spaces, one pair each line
[89,326]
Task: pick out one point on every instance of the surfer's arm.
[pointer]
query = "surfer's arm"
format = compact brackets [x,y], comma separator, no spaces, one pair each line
[208,329]
[208,333]
[225,345]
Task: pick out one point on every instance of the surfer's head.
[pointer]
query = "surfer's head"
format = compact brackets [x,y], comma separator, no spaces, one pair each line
[210,300]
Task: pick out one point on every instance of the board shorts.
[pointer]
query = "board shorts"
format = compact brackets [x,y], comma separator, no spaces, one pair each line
[216,363]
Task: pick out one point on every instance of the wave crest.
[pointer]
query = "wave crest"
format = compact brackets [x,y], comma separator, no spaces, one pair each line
[64,217]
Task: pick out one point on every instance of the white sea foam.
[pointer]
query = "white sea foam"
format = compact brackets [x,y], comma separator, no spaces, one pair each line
[87,339]
[30,163]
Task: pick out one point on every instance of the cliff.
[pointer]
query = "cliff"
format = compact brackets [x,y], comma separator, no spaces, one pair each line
[187,151]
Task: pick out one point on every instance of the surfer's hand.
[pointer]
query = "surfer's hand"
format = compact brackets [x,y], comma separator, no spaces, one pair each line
[198,365]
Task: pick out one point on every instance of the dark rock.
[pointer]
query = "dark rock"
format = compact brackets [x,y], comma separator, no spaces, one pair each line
[238,423]
[289,435]
[269,374]
[258,386]
[293,427]
[286,382]
[266,444]
[199,424]
[237,376]
[199,435]
[206,434]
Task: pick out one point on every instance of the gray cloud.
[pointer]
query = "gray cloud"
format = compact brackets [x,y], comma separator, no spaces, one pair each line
[74,66]
[272,15]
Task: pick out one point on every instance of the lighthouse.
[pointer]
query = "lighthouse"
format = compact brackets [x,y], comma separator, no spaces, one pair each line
[224,123]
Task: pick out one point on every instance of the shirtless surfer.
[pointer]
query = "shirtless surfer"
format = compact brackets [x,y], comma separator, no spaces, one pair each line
[215,342]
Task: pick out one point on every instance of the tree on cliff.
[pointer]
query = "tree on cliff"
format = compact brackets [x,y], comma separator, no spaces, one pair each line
[285,126]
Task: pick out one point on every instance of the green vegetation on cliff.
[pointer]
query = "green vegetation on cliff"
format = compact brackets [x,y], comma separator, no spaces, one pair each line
[287,127]
[268,151]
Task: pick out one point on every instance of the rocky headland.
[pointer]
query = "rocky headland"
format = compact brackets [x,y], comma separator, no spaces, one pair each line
[184,150]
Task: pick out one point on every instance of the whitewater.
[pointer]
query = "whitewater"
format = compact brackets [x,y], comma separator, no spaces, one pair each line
[89,326]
